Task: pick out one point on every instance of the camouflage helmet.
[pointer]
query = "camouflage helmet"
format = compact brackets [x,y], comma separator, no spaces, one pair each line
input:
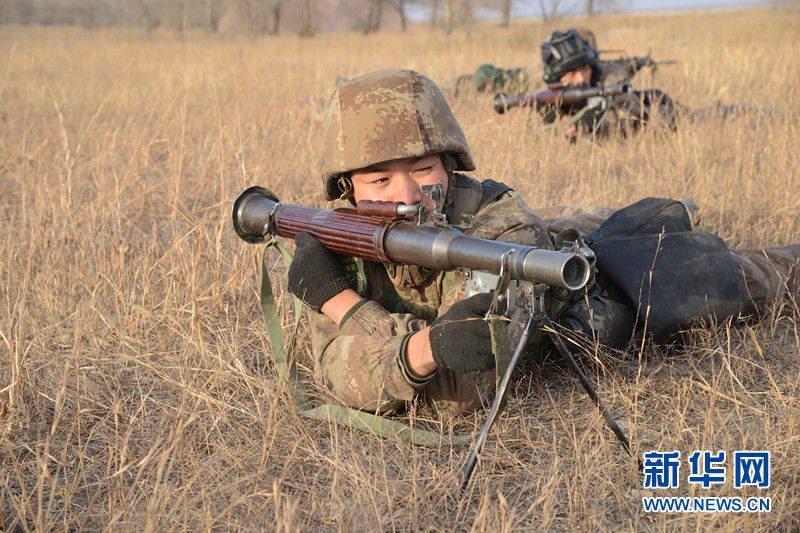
[564,52]
[387,115]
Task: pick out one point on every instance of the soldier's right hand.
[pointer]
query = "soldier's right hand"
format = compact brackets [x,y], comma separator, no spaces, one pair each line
[315,275]
[460,339]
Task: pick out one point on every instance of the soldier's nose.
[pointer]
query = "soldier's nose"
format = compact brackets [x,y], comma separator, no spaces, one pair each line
[409,191]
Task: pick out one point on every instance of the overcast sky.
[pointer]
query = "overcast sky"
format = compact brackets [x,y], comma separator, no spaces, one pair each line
[673,5]
[530,8]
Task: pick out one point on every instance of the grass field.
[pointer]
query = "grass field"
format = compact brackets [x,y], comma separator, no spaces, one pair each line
[136,386]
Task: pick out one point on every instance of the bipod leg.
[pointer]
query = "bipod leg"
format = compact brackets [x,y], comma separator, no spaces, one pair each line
[466,473]
[599,122]
[551,331]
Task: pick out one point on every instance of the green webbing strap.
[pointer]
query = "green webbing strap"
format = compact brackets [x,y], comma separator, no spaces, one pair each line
[287,374]
[577,116]
[502,356]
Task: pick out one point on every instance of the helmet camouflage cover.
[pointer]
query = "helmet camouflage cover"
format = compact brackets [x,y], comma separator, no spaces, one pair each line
[565,52]
[387,115]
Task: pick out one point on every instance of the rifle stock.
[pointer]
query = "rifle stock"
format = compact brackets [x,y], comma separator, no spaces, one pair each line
[557,95]
[394,239]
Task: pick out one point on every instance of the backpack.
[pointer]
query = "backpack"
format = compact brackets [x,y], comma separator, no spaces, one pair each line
[670,274]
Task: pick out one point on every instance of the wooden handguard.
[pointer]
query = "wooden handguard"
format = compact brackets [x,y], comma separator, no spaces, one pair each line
[546,97]
[378,209]
[343,231]
[543,98]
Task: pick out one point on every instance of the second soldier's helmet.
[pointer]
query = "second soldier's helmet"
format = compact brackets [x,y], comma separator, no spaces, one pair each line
[588,36]
[387,115]
[564,52]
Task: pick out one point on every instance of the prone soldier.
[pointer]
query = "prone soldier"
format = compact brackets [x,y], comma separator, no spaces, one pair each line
[383,334]
[568,58]
[488,78]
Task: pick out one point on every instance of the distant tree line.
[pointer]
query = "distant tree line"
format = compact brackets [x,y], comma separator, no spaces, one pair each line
[150,14]
[263,17]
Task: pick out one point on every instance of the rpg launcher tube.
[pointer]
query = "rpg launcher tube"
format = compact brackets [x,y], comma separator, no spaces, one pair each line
[559,95]
[257,213]
[503,102]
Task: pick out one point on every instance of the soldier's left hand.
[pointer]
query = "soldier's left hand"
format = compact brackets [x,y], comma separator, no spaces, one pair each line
[315,275]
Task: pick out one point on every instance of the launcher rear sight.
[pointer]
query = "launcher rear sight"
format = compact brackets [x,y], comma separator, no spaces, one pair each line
[437,196]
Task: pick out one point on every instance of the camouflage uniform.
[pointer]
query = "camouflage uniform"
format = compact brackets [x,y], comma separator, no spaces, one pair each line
[361,361]
[399,114]
[489,78]
[628,111]
[565,52]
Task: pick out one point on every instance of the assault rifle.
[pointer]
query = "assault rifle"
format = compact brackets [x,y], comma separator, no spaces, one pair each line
[558,95]
[633,64]
[393,232]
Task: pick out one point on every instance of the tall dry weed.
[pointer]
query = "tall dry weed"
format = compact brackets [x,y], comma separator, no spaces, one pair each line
[136,386]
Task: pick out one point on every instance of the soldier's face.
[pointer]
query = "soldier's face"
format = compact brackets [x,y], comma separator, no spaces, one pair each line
[400,180]
[582,75]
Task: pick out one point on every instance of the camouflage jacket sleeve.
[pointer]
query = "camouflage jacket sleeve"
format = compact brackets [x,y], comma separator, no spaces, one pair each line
[360,362]
[509,219]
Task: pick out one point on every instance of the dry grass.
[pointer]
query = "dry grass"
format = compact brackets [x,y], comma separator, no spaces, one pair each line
[134,371]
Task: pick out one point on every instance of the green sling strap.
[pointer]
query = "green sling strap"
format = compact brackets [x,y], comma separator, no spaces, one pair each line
[287,375]
[502,356]
[577,116]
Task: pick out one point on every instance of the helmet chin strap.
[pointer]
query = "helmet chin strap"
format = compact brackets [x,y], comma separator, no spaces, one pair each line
[449,163]
[345,185]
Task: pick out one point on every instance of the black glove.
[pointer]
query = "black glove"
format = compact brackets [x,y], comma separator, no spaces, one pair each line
[460,338]
[315,275]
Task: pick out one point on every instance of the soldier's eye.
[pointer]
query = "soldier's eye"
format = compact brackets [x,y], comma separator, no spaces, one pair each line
[380,180]
[423,170]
